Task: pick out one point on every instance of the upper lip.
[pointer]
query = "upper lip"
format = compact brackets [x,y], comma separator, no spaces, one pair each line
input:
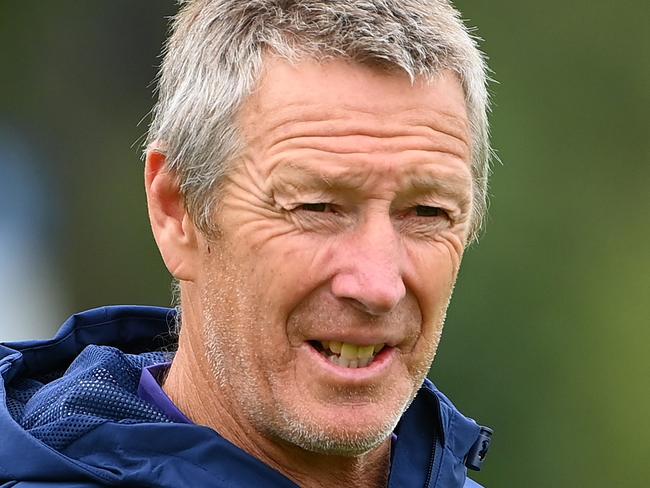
[359,340]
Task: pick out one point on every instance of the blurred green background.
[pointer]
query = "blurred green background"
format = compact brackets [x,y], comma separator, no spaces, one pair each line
[547,338]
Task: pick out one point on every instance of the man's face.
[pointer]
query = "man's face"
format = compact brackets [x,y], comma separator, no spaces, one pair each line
[340,235]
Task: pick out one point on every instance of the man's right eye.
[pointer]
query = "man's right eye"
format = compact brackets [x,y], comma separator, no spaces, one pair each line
[315,207]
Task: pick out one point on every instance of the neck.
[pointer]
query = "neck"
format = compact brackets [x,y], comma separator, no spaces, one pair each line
[194,390]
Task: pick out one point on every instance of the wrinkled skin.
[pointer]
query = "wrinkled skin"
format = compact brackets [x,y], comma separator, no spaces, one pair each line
[345,219]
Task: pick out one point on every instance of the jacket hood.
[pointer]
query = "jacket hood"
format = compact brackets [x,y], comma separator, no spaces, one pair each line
[69,412]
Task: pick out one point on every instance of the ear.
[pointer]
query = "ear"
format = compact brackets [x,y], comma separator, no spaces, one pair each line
[173,229]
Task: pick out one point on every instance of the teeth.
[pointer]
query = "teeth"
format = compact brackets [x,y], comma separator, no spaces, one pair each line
[363,362]
[365,351]
[349,351]
[350,355]
[335,347]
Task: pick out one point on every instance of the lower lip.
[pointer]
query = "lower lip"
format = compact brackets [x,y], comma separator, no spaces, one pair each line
[379,365]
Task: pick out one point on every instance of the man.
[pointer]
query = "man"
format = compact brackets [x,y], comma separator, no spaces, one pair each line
[314,173]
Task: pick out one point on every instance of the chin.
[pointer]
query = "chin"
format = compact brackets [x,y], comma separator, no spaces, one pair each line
[337,442]
[343,430]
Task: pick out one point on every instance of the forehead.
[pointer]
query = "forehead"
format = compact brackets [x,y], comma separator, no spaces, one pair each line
[340,108]
[291,89]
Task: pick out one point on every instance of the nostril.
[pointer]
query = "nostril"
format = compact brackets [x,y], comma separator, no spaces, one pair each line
[354,303]
[377,304]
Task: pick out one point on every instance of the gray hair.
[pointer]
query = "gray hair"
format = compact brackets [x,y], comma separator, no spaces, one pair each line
[214,58]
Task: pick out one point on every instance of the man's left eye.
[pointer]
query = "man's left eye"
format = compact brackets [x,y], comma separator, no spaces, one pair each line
[426,211]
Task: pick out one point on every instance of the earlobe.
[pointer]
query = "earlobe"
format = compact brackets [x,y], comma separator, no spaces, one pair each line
[172,227]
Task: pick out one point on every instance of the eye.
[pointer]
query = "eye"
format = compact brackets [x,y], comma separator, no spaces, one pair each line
[426,211]
[315,207]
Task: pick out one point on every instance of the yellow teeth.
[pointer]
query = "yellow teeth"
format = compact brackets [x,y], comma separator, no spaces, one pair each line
[363,362]
[350,355]
[365,352]
[349,351]
[335,347]
[352,351]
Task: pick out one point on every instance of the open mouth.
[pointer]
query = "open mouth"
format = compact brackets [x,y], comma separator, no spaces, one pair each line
[347,355]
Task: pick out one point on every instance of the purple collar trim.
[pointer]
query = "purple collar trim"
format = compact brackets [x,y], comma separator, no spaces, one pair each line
[150,391]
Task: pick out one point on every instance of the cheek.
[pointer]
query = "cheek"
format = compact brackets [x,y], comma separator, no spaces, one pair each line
[431,274]
[241,333]
[267,279]
[452,246]
[287,268]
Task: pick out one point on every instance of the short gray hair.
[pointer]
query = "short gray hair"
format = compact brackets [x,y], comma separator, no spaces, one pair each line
[213,60]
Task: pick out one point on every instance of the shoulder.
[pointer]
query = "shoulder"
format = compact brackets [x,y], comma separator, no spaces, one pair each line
[48,484]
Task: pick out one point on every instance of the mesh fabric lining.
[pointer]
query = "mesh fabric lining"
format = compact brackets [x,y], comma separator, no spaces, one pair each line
[99,386]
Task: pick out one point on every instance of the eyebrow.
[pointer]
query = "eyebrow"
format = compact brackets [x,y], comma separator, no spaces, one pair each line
[450,186]
[317,176]
[441,183]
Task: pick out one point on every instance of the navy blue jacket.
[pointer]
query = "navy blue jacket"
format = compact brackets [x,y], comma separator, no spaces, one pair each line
[70,417]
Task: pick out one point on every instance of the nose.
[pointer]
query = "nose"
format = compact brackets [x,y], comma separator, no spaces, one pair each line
[369,271]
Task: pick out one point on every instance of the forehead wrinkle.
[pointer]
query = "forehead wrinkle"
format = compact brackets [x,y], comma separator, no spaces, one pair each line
[360,145]
[297,120]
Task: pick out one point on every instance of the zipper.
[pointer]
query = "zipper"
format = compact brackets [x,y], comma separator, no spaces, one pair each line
[434,464]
